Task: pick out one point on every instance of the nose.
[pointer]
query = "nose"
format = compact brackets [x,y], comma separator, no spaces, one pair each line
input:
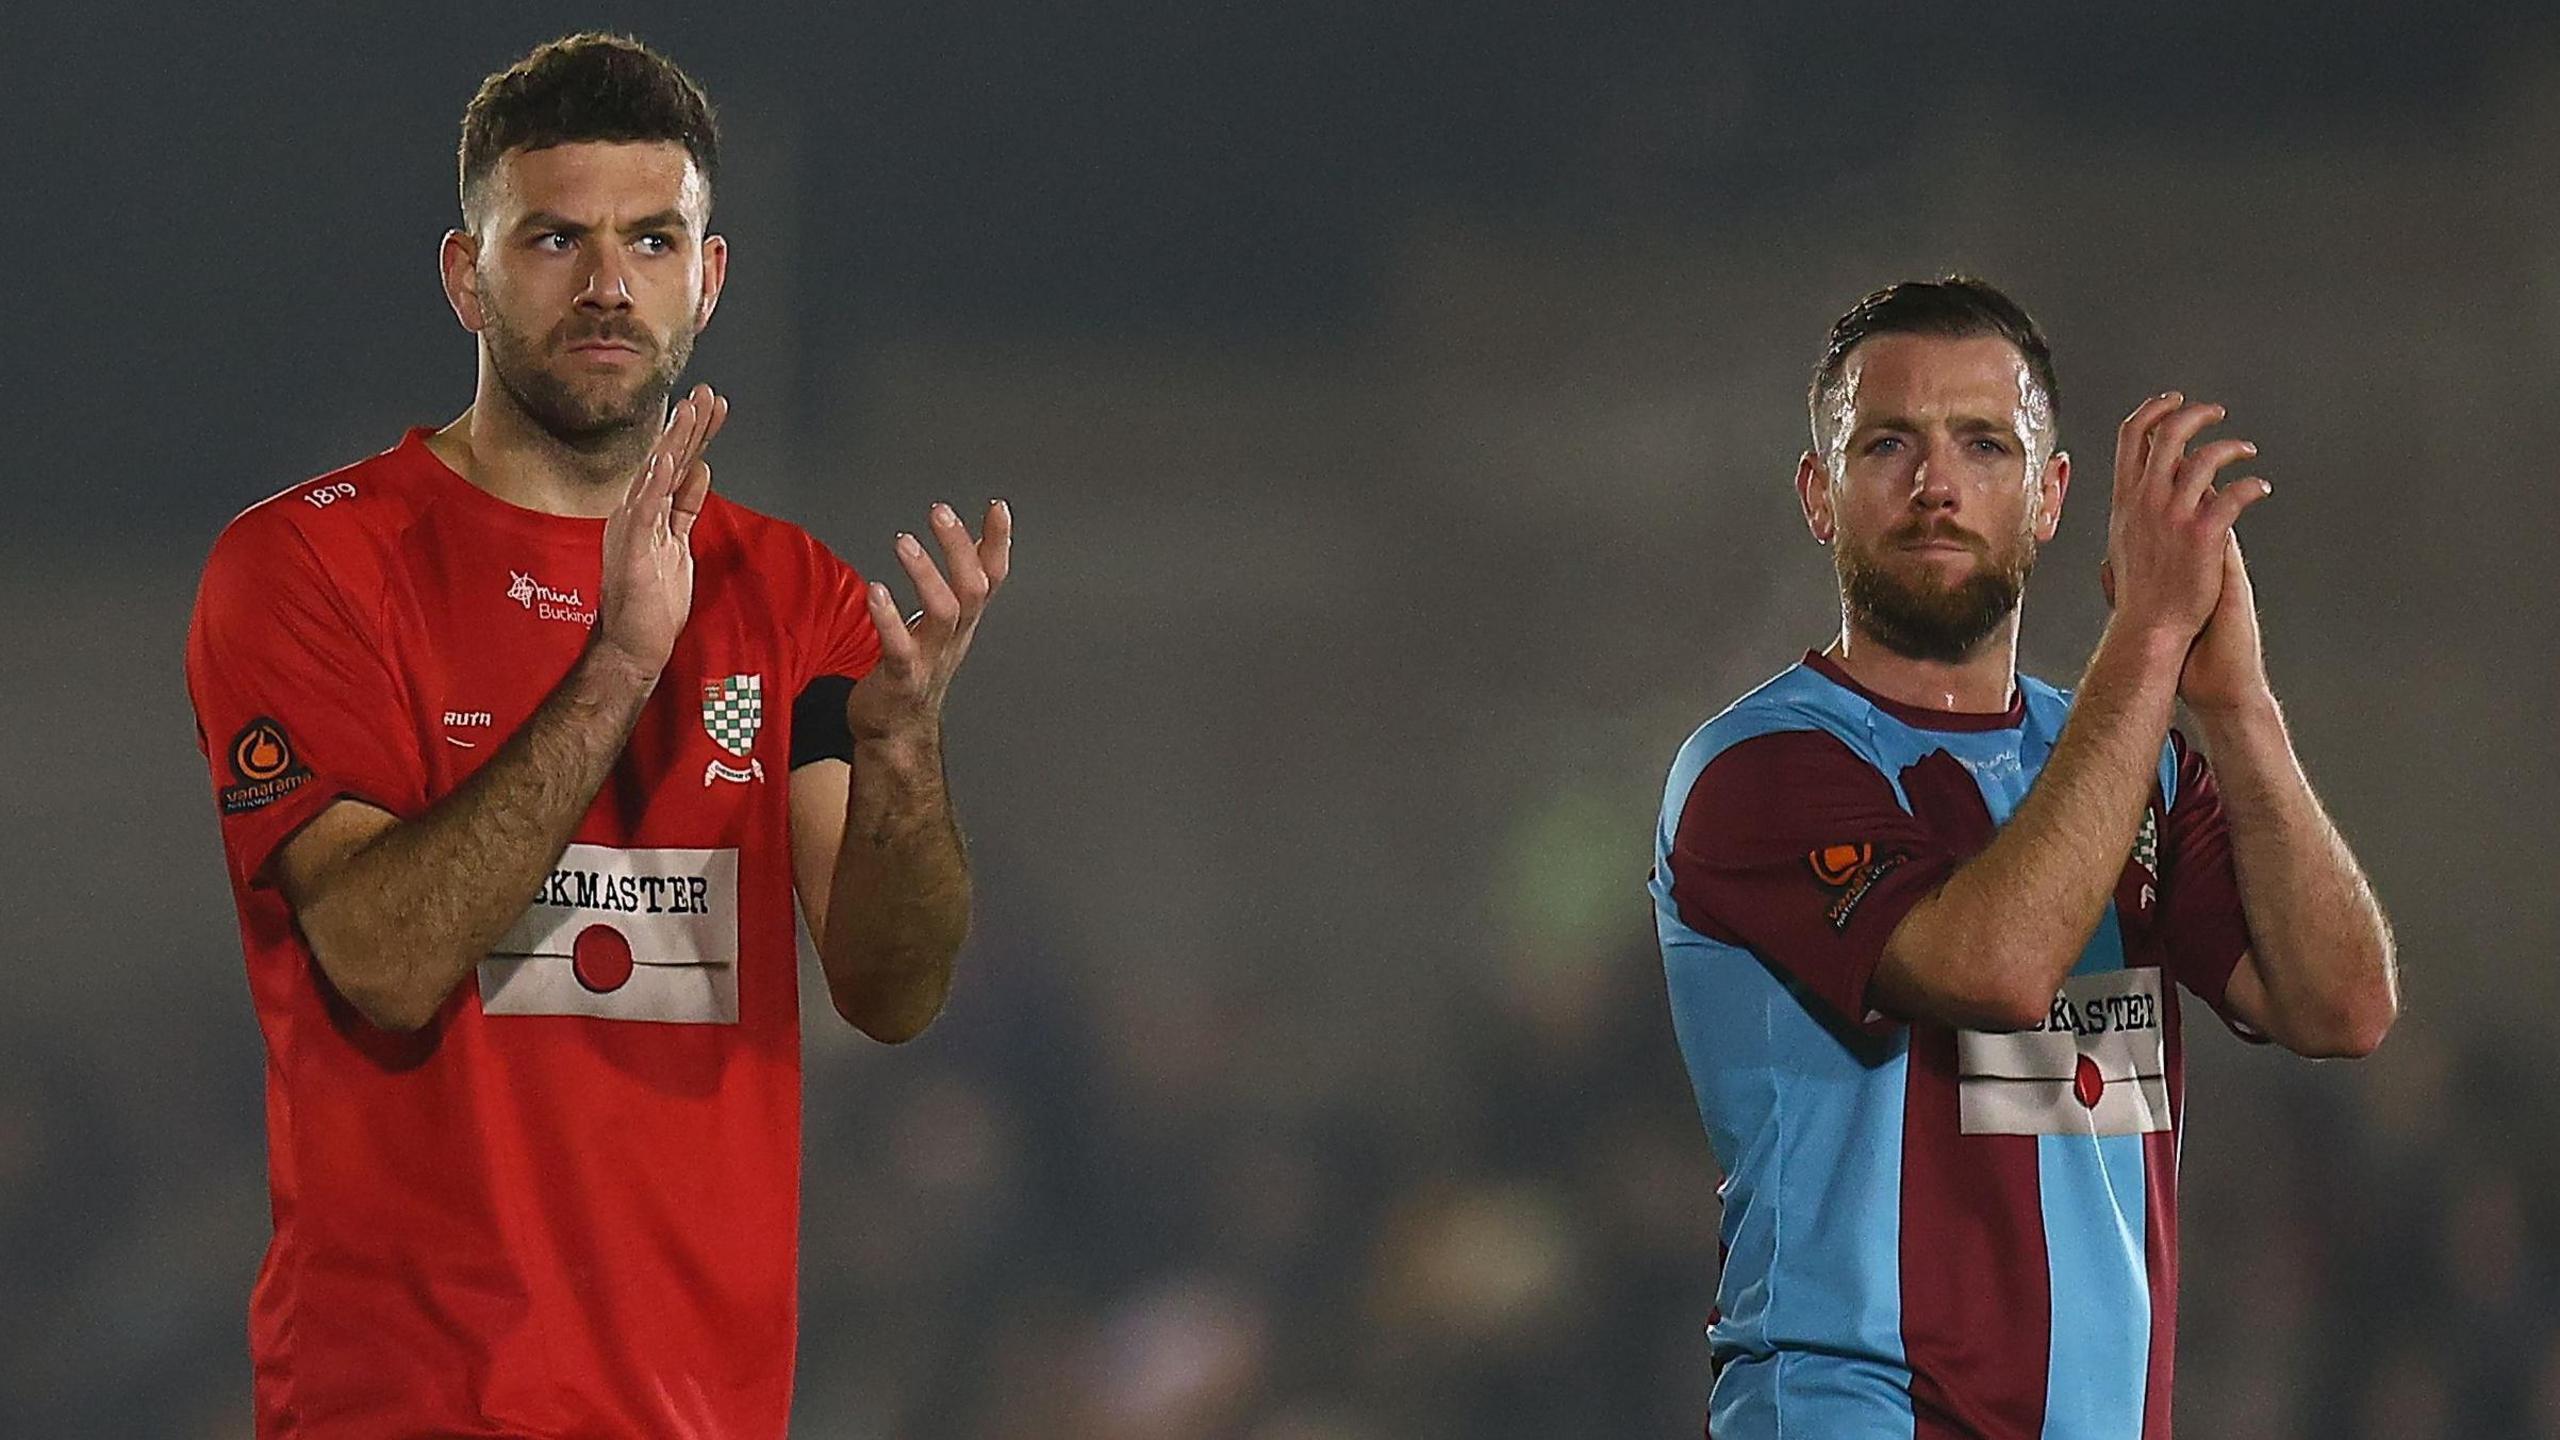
[608,284]
[1933,482]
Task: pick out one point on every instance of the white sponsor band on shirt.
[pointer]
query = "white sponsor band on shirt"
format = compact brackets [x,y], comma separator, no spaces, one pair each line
[624,934]
[2097,1065]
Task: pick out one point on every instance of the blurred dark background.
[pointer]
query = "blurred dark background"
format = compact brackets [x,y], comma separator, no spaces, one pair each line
[1399,404]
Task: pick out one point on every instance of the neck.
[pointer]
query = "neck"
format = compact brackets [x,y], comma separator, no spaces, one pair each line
[499,448]
[1979,684]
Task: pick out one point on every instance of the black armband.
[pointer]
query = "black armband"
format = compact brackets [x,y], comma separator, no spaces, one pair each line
[818,731]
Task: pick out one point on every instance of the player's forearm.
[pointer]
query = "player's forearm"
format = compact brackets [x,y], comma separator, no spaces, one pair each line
[2318,936]
[899,905]
[1991,948]
[401,921]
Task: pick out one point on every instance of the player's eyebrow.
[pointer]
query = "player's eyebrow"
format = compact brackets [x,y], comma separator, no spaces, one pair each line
[1961,424]
[549,221]
[661,220]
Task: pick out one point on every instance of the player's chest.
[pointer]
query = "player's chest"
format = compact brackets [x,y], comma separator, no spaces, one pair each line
[495,635]
[2000,773]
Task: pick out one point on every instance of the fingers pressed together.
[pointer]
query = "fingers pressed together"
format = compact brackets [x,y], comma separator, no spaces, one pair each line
[2153,460]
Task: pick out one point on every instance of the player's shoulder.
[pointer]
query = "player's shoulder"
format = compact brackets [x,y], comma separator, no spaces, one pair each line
[349,506]
[341,522]
[753,529]
[1797,715]
[2044,699]
[1795,700]
[767,546]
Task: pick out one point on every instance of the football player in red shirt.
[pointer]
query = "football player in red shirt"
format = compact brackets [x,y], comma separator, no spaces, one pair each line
[525,742]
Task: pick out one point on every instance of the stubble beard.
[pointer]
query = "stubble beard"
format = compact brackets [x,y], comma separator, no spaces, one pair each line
[597,419]
[1927,621]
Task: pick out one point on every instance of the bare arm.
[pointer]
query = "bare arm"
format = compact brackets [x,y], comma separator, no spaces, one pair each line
[2321,977]
[398,912]
[887,892]
[884,875]
[1992,946]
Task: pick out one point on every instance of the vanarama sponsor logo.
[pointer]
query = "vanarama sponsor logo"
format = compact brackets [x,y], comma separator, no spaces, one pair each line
[548,603]
[1851,872]
[1837,865]
[265,767]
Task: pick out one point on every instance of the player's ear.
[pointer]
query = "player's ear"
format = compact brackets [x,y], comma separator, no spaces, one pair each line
[459,260]
[2052,486]
[1813,492]
[715,273]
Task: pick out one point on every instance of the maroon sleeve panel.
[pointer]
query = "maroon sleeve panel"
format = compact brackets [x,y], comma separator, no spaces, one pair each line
[1792,846]
[2202,929]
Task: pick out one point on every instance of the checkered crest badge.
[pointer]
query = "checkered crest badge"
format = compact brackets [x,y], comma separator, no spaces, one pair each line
[732,712]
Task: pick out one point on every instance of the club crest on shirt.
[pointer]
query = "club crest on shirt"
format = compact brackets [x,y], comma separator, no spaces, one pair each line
[2146,858]
[1850,872]
[732,712]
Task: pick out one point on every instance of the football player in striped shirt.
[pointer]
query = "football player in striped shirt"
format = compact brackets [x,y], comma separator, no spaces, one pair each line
[1925,920]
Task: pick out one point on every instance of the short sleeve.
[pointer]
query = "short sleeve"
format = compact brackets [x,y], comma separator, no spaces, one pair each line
[1791,845]
[847,643]
[296,702]
[848,646]
[2202,929]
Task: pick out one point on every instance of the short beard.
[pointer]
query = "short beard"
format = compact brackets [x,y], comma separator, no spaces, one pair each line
[589,426]
[1944,624]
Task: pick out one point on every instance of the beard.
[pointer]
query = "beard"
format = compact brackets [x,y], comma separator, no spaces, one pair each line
[1922,619]
[597,412]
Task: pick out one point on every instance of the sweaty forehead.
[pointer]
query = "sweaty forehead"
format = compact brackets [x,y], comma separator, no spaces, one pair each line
[1933,377]
[598,182]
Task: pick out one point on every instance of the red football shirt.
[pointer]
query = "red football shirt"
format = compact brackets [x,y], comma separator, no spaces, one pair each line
[569,1205]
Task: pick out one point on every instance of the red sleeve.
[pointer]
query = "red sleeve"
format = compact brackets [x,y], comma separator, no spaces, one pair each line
[1791,845]
[296,701]
[2202,928]
[847,643]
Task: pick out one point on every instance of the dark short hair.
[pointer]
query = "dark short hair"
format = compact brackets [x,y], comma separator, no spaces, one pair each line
[588,86]
[1958,307]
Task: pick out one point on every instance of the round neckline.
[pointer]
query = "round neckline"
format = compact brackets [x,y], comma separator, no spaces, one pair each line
[1914,715]
[487,508]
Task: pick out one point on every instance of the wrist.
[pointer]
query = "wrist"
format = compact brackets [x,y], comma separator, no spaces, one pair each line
[2151,649]
[618,670]
[916,746]
[2220,722]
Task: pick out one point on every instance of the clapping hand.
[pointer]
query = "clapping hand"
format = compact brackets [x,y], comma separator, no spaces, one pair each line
[901,699]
